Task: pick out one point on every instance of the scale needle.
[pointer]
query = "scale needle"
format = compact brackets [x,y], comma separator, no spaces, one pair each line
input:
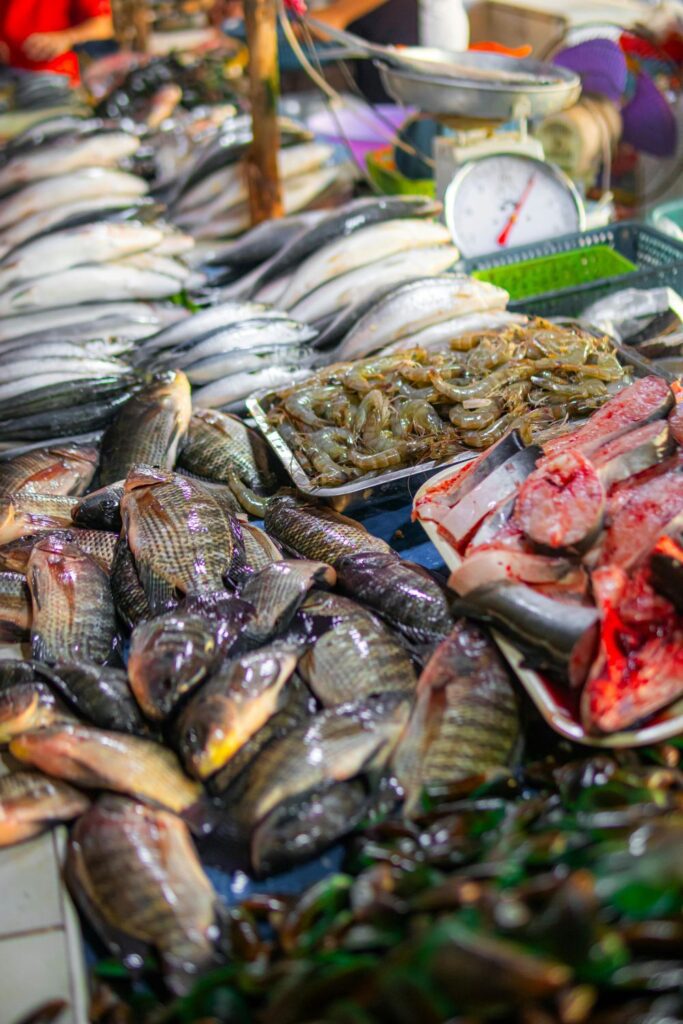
[505,233]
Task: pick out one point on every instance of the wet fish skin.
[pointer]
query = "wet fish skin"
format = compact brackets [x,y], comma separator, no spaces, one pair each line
[337,744]
[93,316]
[148,429]
[28,513]
[357,659]
[77,186]
[260,550]
[317,533]
[97,693]
[100,544]
[406,596]
[15,608]
[297,706]
[73,616]
[276,591]
[558,637]
[264,240]
[427,262]
[28,705]
[59,157]
[101,509]
[304,828]
[170,656]
[129,595]
[368,246]
[15,670]
[97,242]
[103,759]
[63,470]
[31,803]
[414,305]
[465,720]
[87,284]
[177,533]
[231,707]
[167,902]
[349,218]
[217,445]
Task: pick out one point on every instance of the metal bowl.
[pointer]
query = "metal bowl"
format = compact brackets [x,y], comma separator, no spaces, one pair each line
[534,88]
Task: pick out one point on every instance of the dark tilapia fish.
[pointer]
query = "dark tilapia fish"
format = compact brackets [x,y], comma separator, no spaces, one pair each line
[179,535]
[73,608]
[405,595]
[558,637]
[356,659]
[276,592]
[99,759]
[317,533]
[136,876]
[100,694]
[60,469]
[129,595]
[14,670]
[101,509]
[297,706]
[219,447]
[29,513]
[465,720]
[173,654]
[304,827]
[336,745]
[259,551]
[100,544]
[148,428]
[15,608]
[27,705]
[31,803]
[228,710]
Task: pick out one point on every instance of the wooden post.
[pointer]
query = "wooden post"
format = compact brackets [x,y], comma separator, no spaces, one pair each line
[265,196]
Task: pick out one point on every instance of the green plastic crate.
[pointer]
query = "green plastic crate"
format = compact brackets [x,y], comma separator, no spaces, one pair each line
[556,272]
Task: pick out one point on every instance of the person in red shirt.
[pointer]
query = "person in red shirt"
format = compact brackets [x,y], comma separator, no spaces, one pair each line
[39,35]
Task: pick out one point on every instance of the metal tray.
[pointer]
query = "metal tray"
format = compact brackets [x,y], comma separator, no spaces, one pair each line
[477,98]
[557,705]
[378,485]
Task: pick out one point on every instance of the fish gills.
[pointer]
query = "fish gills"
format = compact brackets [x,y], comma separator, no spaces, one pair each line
[30,513]
[465,721]
[30,803]
[167,901]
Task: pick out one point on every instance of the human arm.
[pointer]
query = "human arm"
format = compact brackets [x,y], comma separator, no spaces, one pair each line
[47,45]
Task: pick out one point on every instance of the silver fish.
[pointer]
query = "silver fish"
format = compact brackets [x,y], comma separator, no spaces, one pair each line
[87,284]
[64,158]
[77,186]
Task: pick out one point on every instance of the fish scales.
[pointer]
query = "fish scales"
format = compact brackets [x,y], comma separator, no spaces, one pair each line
[30,803]
[465,721]
[318,533]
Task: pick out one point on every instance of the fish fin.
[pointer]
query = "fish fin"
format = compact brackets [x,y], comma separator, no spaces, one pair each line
[204,816]
[144,476]
[161,595]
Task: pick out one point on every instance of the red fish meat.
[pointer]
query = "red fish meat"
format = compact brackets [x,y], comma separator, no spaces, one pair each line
[649,398]
[639,668]
[561,505]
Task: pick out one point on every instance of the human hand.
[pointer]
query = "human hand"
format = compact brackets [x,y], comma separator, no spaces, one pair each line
[46,45]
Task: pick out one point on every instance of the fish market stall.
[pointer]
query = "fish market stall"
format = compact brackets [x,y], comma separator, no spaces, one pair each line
[340,601]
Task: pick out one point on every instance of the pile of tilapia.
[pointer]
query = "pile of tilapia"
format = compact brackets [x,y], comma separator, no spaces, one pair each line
[189,673]
[574,551]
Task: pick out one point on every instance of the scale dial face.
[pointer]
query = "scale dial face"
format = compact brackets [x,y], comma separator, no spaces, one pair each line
[504,200]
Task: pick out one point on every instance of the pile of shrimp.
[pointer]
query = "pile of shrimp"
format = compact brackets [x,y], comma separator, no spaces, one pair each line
[408,407]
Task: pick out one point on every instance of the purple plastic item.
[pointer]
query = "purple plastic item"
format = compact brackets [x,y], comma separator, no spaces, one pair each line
[365,131]
[648,120]
[600,64]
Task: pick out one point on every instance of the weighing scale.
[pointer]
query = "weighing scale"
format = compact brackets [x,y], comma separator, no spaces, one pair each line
[498,191]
